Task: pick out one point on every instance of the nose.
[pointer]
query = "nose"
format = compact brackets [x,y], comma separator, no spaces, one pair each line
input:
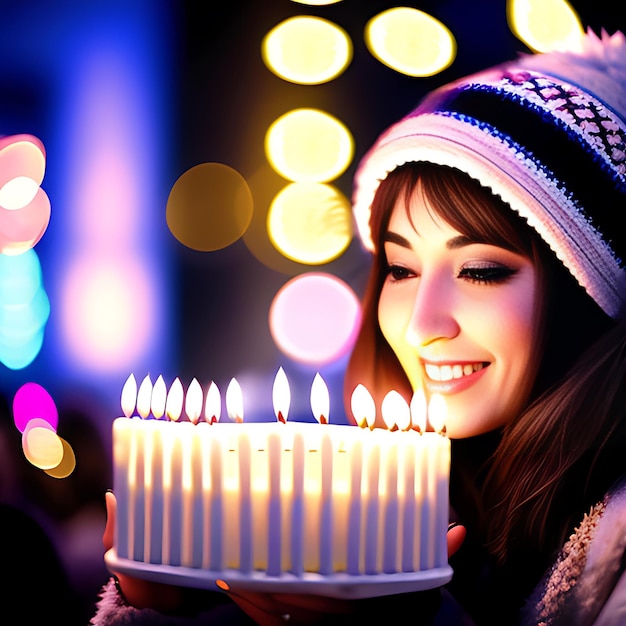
[433,315]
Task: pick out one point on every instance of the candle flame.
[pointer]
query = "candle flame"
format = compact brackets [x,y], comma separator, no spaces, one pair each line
[320,400]
[363,407]
[212,408]
[437,410]
[234,401]
[129,396]
[193,401]
[157,400]
[396,411]
[144,397]
[174,403]
[281,396]
[418,409]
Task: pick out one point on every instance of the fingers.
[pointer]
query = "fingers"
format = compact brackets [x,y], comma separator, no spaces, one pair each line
[109,529]
[456,536]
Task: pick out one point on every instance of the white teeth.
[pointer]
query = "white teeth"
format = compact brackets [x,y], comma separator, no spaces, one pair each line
[448,372]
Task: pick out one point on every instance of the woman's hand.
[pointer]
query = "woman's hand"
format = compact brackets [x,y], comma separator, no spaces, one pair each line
[138,592]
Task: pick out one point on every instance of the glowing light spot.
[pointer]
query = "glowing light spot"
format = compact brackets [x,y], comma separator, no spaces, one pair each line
[20,322]
[410,41]
[67,464]
[209,207]
[30,401]
[17,355]
[308,145]
[314,318]
[17,193]
[21,155]
[545,25]
[20,277]
[310,222]
[21,229]
[307,50]
[24,309]
[108,311]
[42,446]
[24,206]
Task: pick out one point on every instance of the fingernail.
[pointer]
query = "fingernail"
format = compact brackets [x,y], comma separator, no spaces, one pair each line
[453,525]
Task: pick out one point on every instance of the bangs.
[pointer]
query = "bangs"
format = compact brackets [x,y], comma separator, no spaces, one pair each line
[460,201]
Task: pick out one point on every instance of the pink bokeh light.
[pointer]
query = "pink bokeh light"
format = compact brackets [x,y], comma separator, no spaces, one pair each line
[32,401]
[314,318]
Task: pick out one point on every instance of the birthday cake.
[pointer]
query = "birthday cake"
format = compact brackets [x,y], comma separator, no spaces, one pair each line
[332,509]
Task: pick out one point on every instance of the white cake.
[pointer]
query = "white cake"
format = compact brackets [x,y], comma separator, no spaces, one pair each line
[321,508]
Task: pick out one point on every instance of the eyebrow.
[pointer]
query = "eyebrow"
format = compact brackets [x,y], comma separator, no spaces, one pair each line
[452,244]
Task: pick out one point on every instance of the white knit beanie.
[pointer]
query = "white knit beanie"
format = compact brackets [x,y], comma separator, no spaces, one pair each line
[547,133]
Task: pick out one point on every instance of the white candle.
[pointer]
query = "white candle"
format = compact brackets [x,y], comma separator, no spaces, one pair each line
[216,504]
[326,527]
[275,527]
[372,466]
[246,504]
[297,531]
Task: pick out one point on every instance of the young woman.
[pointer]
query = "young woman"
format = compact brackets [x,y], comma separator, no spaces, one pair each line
[493,215]
[498,281]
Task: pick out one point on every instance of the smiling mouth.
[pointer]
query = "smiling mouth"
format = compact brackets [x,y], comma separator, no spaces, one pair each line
[451,372]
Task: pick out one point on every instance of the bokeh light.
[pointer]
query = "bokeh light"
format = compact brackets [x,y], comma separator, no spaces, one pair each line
[110,304]
[545,25]
[24,309]
[209,207]
[41,445]
[310,222]
[67,464]
[309,145]
[30,401]
[314,318]
[24,206]
[410,41]
[307,50]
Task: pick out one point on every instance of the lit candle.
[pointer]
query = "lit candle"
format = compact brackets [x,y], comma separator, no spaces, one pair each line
[121,476]
[437,416]
[193,410]
[173,408]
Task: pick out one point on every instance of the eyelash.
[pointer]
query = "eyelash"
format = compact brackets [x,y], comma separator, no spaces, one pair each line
[487,275]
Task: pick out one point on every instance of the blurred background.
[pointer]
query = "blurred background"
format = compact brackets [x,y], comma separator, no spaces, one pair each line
[166,152]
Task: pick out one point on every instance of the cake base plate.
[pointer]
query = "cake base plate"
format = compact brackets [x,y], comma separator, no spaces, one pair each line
[339,585]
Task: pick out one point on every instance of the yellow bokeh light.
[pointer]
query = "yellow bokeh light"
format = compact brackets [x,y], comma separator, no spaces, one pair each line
[308,145]
[310,222]
[209,207]
[307,50]
[410,41]
[42,447]
[545,25]
[67,464]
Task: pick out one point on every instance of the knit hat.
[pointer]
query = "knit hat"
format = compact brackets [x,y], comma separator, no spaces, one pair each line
[546,133]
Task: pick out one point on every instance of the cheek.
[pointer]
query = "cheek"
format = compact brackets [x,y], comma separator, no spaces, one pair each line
[392,318]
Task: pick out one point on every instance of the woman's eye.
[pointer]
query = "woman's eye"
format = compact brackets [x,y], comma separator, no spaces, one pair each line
[487,273]
[397,272]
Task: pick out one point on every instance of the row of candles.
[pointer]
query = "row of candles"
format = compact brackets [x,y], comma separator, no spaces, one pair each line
[298,497]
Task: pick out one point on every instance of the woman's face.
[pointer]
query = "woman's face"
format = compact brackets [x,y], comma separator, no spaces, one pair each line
[460,316]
